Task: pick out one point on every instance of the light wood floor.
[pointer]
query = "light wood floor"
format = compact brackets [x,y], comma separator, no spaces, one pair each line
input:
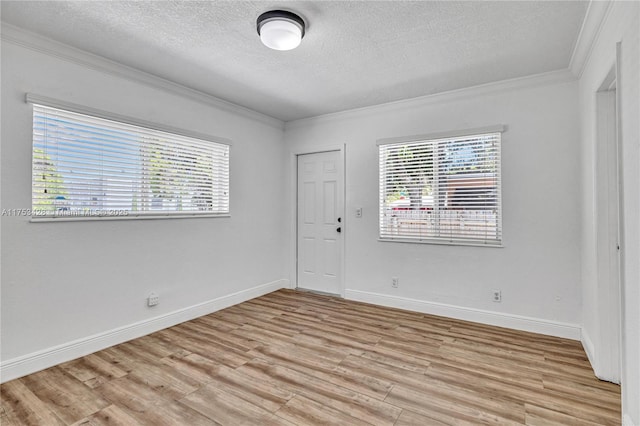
[294,358]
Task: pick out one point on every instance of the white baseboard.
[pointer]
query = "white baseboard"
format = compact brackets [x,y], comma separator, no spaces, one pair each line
[626,421]
[517,322]
[599,370]
[589,349]
[36,361]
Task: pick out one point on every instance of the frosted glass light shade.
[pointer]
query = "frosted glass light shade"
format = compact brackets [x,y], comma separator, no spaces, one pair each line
[280,30]
[280,35]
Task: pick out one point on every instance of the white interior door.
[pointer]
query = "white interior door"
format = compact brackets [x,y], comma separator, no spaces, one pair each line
[320,222]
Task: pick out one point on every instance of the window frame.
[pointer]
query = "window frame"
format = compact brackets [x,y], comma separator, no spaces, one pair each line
[498,243]
[34,99]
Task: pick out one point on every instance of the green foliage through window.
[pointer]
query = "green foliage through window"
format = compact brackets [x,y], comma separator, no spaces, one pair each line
[84,164]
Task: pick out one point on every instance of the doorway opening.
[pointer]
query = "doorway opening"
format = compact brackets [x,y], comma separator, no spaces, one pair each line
[608,229]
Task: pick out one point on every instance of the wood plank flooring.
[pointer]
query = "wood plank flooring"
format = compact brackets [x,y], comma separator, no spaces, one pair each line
[296,358]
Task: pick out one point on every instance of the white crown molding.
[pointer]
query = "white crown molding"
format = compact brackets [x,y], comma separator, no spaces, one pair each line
[499,319]
[35,42]
[547,78]
[30,40]
[30,363]
[594,19]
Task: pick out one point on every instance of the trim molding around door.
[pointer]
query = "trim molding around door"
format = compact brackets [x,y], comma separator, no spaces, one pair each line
[293,209]
[606,356]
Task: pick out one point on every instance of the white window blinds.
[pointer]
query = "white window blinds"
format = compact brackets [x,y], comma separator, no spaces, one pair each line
[86,166]
[442,190]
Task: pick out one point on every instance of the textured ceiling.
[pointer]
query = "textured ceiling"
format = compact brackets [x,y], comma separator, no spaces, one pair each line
[354,54]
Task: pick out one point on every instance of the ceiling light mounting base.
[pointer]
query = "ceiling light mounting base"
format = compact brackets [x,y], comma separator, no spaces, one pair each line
[280,29]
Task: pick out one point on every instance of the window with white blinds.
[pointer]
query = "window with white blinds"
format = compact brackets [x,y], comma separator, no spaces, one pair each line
[91,167]
[444,190]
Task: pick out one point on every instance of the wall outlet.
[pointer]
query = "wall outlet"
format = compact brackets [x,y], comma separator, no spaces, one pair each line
[153,299]
[394,282]
[359,212]
[497,295]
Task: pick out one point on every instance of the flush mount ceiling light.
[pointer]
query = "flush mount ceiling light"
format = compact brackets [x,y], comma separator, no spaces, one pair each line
[280,30]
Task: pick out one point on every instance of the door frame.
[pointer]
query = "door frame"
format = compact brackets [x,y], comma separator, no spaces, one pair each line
[293,205]
[609,209]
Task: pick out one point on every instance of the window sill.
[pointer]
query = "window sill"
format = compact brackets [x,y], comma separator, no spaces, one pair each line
[441,242]
[126,217]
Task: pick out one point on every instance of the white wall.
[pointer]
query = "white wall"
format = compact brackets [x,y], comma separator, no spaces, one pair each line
[621,25]
[538,270]
[67,281]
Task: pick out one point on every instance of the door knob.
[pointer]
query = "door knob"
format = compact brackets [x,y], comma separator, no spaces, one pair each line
[339,229]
